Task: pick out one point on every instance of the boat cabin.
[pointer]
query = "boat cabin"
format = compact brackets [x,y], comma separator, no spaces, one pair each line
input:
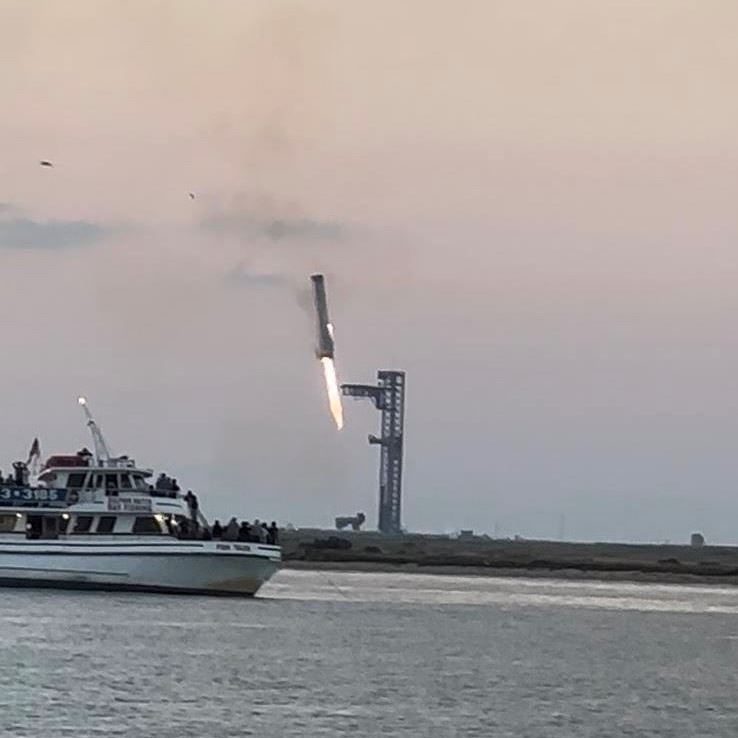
[78,495]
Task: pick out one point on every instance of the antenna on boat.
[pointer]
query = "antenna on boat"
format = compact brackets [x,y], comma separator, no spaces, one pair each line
[101,448]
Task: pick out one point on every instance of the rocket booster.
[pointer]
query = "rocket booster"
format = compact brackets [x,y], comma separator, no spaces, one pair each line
[325,347]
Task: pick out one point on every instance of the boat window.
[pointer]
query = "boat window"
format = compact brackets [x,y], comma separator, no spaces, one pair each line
[50,526]
[98,481]
[111,481]
[64,523]
[34,526]
[7,523]
[146,525]
[106,524]
[82,524]
[125,481]
[76,480]
[139,483]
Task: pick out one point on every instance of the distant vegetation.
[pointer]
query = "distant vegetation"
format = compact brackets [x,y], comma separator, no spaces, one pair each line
[476,555]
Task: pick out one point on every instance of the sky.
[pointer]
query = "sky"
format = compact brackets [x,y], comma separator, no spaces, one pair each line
[529,207]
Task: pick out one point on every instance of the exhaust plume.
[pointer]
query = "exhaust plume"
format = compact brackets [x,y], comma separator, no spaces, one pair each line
[334,394]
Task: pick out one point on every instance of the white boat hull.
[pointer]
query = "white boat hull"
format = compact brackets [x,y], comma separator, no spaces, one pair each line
[186,567]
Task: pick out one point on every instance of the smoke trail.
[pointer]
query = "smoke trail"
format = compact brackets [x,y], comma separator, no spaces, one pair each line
[334,395]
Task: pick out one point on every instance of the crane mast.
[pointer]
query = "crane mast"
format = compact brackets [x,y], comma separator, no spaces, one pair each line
[102,453]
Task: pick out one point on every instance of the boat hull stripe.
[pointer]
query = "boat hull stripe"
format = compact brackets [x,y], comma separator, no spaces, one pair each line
[199,554]
[118,544]
[115,587]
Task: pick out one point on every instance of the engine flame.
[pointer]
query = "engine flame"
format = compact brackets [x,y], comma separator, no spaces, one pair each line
[334,395]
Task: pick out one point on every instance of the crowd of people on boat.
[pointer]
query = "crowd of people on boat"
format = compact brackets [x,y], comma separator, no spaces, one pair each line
[165,486]
[256,532]
[194,527]
[19,477]
[244,531]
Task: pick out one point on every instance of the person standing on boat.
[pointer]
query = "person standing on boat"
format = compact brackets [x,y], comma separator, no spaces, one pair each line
[186,531]
[258,532]
[193,504]
[217,531]
[21,474]
[231,531]
[244,532]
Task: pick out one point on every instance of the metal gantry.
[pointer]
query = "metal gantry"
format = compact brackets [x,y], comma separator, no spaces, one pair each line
[389,397]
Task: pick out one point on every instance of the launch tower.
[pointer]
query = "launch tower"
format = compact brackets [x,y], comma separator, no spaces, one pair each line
[389,397]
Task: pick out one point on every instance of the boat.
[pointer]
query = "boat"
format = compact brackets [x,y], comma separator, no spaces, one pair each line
[94,521]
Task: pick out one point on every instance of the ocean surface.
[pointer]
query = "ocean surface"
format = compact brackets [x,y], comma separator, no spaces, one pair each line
[339,654]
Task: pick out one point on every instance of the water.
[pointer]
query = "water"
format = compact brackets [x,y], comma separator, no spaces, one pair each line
[324,654]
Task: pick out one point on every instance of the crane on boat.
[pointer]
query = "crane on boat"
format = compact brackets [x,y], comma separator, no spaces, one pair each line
[102,452]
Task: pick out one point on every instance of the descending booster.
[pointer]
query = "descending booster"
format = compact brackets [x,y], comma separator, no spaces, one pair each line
[324,348]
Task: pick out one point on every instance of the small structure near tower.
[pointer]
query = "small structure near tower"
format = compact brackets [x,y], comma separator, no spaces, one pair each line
[355,521]
[697,540]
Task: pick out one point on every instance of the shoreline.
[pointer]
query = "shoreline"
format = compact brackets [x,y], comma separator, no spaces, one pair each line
[565,574]
[369,551]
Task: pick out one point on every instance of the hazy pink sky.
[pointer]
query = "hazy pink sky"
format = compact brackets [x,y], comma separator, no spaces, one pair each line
[530,207]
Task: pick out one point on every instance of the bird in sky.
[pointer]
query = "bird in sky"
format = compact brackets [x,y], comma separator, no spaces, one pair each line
[45,163]
[192,195]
